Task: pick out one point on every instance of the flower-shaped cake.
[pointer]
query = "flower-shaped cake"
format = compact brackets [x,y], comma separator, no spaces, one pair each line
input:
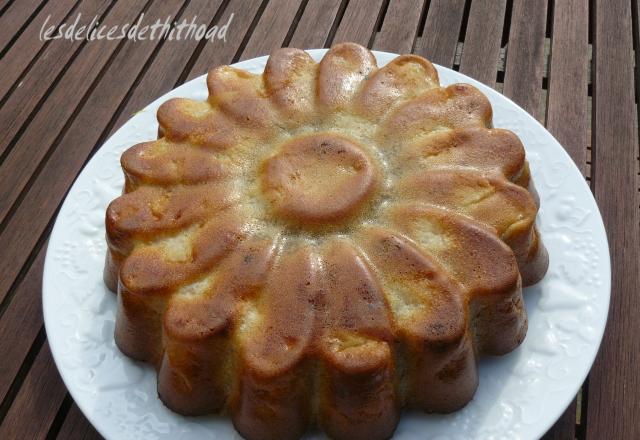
[323,245]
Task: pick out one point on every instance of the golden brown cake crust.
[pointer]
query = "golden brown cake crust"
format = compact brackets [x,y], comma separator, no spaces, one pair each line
[323,245]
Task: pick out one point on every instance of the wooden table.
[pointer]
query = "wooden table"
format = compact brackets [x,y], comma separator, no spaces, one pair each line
[568,62]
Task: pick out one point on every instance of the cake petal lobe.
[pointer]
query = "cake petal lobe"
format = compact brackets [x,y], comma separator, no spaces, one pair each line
[429,309]
[456,106]
[165,163]
[151,211]
[342,70]
[290,78]
[484,264]
[274,380]
[508,208]
[186,120]
[492,151]
[356,392]
[242,96]
[159,268]
[404,78]
[194,376]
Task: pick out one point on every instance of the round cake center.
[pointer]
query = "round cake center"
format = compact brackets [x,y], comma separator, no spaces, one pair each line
[319,178]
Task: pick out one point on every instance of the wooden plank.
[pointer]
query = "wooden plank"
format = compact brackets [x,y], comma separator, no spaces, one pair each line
[358,22]
[567,113]
[614,382]
[37,402]
[43,73]
[315,24]
[168,64]
[635,10]
[400,26]
[272,28]
[12,20]
[55,112]
[77,427]
[20,324]
[215,55]
[18,57]
[481,50]
[3,4]
[441,31]
[525,54]
[74,146]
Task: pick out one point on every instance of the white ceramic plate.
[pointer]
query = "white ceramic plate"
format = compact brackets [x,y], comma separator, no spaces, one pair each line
[520,395]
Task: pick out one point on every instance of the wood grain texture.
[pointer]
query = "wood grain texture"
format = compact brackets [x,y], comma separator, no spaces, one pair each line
[614,382]
[43,74]
[77,427]
[481,50]
[4,4]
[315,24]
[20,323]
[567,113]
[56,111]
[400,26]
[213,54]
[14,17]
[74,145]
[20,54]
[359,22]
[441,31]
[525,54]
[272,28]
[38,401]
[635,10]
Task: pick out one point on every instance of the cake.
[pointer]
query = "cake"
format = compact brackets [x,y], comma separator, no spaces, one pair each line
[323,245]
